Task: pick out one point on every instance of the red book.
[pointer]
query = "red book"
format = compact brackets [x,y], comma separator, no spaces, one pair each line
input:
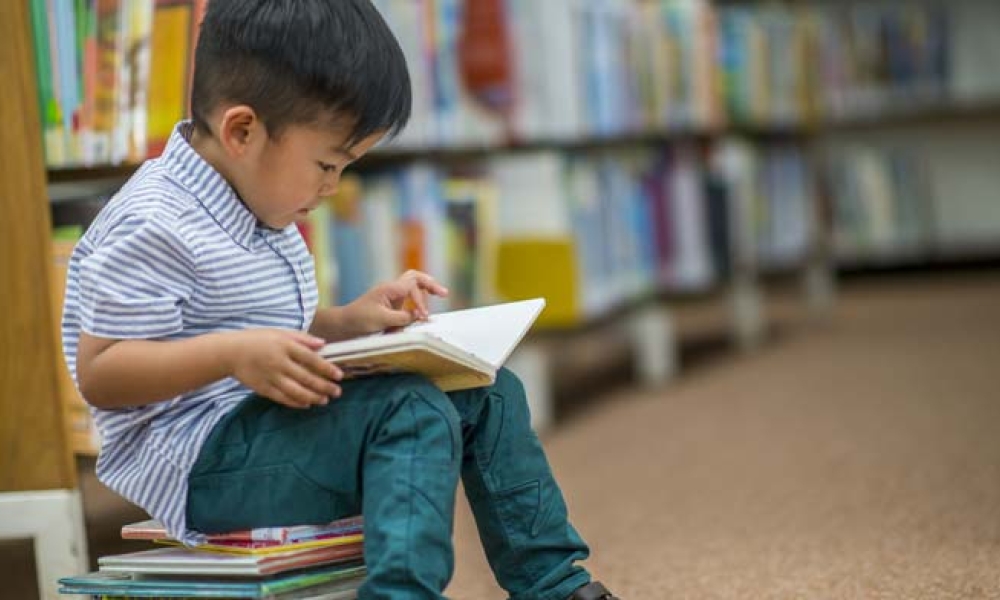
[351,526]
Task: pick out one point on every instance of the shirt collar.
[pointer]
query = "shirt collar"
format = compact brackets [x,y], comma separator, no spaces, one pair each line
[209,187]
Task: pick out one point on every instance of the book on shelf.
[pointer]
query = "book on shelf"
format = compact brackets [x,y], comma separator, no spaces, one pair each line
[175,31]
[883,203]
[83,436]
[339,581]
[456,350]
[112,76]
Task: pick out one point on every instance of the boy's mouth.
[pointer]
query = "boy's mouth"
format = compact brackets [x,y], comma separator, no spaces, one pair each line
[310,208]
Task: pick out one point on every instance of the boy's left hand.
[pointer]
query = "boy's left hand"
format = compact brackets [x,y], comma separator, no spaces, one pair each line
[396,303]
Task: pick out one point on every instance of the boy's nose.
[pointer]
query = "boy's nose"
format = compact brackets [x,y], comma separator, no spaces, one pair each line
[329,187]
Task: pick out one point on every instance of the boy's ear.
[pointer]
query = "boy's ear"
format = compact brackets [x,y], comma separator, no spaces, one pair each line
[240,129]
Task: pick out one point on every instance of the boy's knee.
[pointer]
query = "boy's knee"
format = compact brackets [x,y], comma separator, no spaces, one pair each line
[431,398]
[510,388]
[433,414]
[508,384]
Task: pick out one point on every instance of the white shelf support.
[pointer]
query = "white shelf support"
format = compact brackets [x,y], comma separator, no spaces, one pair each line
[820,287]
[53,520]
[747,313]
[530,362]
[654,343]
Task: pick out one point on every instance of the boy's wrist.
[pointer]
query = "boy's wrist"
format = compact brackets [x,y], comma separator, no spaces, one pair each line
[335,323]
[225,345]
[326,323]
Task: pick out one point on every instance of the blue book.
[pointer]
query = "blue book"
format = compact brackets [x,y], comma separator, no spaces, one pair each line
[336,582]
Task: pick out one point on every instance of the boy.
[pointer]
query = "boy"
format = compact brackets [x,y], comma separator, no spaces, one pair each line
[191,327]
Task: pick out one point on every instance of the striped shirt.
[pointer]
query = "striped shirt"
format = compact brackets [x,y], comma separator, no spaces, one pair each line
[173,255]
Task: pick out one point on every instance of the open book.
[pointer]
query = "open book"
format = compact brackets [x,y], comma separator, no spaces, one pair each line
[456,350]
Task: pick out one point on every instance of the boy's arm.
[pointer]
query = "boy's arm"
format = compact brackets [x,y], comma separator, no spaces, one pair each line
[280,364]
[384,307]
[333,324]
[121,373]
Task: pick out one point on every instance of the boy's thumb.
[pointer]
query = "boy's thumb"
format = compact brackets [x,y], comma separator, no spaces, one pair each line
[398,318]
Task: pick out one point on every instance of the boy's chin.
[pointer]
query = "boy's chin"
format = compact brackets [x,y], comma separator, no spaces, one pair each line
[284,221]
[280,224]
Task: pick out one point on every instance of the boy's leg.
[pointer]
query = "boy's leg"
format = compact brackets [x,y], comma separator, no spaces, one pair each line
[519,509]
[389,448]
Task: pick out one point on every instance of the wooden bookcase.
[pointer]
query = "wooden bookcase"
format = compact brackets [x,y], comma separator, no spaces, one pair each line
[38,481]
[35,453]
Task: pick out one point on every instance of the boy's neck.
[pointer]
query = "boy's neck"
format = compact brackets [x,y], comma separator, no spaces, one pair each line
[208,148]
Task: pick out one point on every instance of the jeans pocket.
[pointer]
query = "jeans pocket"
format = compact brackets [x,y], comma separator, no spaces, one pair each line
[523,511]
[271,496]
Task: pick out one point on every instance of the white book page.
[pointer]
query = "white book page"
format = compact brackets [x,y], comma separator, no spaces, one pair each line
[489,332]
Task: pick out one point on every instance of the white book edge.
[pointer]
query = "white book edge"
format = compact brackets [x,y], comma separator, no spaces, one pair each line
[482,338]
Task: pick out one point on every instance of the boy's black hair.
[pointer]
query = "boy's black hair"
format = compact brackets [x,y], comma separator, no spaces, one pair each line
[298,62]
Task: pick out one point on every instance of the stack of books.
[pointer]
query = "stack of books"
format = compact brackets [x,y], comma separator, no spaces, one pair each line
[305,562]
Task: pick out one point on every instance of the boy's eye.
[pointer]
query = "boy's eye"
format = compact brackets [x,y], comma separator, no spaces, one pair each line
[327,167]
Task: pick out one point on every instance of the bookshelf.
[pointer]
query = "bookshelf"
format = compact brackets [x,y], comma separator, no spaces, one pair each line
[538,130]
[38,481]
[31,429]
[655,95]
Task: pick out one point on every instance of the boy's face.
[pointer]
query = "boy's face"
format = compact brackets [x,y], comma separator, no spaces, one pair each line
[281,179]
[296,172]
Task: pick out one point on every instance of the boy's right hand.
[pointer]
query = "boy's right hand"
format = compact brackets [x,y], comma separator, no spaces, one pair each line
[284,366]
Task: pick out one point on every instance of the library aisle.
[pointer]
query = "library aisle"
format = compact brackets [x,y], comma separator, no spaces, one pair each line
[853,460]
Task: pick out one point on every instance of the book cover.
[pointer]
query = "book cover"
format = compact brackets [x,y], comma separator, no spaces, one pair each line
[350,245]
[48,104]
[456,350]
[154,530]
[168,88]
[137,20]
[323,579]
[187,561]
[83,435]
[470,248]
[347,543]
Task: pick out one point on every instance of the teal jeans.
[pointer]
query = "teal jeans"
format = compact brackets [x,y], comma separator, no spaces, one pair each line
[392,449]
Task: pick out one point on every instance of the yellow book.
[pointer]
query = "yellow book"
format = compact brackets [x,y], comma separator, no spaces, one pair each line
[171,49]
[456,350]
[82,433]
[257,549]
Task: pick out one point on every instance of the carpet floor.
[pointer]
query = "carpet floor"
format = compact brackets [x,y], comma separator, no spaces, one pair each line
[857,458]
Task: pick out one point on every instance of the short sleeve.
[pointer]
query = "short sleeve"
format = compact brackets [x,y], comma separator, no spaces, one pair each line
[137,281]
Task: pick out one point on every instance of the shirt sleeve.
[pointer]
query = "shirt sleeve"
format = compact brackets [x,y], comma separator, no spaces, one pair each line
[137,281]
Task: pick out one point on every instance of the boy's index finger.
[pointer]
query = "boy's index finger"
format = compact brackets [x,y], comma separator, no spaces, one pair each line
[317,364]
[430,284]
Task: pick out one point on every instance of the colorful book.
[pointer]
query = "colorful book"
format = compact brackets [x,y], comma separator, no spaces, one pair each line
[349,542]
[456,350]
[351,526]
[189,562]
[324,580]
[172,46]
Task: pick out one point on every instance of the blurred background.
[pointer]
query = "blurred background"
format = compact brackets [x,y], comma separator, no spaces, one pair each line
[768,234]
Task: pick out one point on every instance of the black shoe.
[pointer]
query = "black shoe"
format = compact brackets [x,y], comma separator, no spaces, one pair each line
[592,591]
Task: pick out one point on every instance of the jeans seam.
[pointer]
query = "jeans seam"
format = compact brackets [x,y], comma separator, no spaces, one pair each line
[488,462]
[409,507]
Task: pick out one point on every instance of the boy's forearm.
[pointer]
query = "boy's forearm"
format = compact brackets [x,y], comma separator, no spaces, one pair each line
[140,372]
[332,324]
